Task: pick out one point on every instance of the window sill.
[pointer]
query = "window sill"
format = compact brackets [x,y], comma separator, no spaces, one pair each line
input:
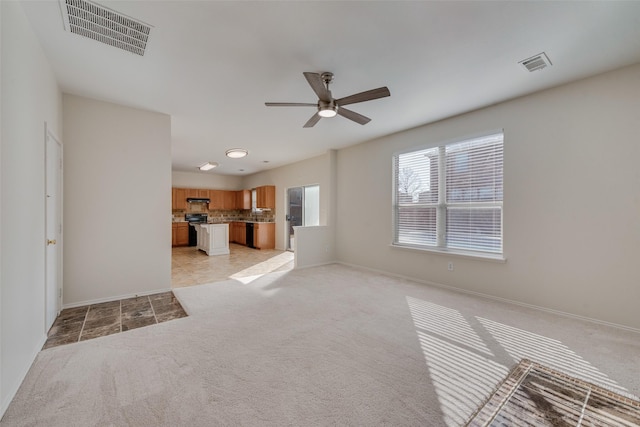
[499,258]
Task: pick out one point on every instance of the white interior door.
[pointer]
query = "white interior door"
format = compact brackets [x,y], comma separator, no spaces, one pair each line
[53,228]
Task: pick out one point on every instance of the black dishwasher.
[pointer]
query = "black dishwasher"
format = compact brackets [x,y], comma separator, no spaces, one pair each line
[250,235]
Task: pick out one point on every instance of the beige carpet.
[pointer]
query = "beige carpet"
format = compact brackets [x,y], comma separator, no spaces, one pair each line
[330,345]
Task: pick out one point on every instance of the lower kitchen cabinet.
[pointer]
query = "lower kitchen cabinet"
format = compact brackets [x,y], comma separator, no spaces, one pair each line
[180,234]
[238,233]
[264,235]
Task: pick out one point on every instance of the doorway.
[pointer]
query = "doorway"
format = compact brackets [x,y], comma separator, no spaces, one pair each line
[303,209]
[53,227]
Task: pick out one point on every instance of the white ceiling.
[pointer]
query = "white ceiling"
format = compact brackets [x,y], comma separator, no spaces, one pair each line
[211,65]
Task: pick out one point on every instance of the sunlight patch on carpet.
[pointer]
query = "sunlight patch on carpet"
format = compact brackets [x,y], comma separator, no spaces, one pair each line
[461,355]
[522,344]
[462,379]
[435,318]
[462,373]
[260,269]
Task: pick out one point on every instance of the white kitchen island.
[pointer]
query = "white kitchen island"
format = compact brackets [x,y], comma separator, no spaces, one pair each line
[213,239]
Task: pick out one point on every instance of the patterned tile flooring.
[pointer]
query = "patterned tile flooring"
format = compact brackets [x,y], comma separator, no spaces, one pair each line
[189,267]
[193,267]
[98,320]
[536,395]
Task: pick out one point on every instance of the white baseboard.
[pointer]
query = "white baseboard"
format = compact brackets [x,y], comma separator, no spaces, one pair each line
[114,298]
[495,298]
[13,389]
[315,265]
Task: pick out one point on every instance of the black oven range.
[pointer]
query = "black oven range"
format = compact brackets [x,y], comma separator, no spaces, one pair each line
[192,219]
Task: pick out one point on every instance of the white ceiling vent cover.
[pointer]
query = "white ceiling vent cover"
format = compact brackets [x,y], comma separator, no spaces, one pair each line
[537,62]
[105,25]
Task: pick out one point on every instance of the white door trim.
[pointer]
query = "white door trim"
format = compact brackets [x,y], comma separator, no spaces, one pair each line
[56,233]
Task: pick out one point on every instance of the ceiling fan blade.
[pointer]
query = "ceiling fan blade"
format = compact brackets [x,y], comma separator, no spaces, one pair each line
[289,104]
[317,84]
[368,95]
[312,121]
[352,115]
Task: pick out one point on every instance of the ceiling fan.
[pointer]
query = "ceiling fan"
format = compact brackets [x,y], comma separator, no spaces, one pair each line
[328,106]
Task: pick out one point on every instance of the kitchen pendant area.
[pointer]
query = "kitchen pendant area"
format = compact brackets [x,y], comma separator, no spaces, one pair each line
[224,234]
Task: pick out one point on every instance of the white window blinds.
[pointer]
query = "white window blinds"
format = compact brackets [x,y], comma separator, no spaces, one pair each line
[450,197]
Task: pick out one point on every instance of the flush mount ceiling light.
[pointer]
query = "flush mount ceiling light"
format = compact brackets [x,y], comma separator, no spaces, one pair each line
[236,153]
[208,166]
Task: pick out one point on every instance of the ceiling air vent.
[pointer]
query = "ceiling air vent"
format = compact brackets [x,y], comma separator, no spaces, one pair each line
[537,62]
[105,25]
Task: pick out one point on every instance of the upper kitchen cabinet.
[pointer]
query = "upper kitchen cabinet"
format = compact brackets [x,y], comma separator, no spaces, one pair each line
[229,200]
[197,193]
[243,199]
[178,199]
[215,199]
[266,197]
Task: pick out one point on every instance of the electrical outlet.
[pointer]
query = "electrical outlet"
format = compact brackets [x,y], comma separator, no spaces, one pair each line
[450,266]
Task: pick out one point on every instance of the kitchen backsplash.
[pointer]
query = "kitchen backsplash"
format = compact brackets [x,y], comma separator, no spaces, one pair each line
[218,215]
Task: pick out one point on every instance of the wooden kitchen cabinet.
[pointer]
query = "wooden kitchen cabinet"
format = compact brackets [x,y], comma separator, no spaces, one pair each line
[229,200]
[264,235]
[180,234]
[239,232]
[197,193]
[232,232]
[266,197]
[178,199]
[215,199]
[243,199]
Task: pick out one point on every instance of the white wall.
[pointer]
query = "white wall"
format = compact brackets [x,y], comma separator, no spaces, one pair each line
[313,246]
[571,208]
[117,201]
[30,97]
[206,180]
[317,170]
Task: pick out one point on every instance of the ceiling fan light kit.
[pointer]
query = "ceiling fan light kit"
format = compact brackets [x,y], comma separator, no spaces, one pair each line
[328,106]
[327,110]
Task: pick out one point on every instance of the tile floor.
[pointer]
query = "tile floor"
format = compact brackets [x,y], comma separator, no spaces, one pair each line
[190,266]
[98,320]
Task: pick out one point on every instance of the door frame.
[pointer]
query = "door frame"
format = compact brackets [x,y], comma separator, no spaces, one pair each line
[49,136]
[303,208]
[287,217]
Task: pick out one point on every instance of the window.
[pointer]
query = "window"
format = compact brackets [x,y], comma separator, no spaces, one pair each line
[449,198]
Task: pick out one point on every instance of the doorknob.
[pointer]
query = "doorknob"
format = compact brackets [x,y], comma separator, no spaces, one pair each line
[51,242]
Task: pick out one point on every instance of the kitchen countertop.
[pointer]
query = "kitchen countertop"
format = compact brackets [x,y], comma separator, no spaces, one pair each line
[226,222]
[242,220]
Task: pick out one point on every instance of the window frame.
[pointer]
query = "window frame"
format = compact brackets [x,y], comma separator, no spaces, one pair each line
[442,206]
